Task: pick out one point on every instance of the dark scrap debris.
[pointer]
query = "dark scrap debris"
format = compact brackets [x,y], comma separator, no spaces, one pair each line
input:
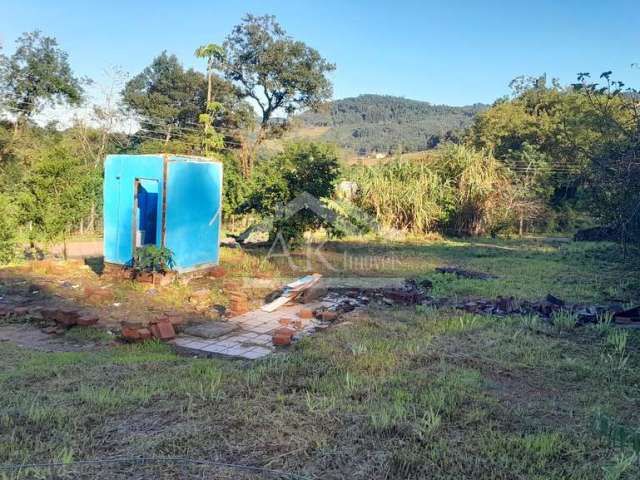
[414,292]
[628,316]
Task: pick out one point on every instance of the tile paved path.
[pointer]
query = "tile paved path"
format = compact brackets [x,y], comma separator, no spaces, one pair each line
[252,339]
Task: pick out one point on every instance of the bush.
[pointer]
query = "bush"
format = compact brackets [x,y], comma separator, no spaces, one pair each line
[151,258]
[305,171]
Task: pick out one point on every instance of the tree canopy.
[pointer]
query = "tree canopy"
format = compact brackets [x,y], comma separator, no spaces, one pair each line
[166,96]
[38,73]
[273,69]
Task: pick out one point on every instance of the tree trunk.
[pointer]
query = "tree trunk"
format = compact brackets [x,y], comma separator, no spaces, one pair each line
[521,225]
[91,226]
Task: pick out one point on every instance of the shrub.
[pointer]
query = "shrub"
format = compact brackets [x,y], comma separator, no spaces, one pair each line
[151,258]
[305,171]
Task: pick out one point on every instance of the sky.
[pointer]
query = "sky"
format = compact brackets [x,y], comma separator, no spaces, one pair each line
[452,52]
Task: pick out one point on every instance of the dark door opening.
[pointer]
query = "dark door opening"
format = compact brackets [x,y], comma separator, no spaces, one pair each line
[146,212]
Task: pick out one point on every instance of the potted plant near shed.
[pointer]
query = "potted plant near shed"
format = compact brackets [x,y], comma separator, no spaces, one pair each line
[153,264]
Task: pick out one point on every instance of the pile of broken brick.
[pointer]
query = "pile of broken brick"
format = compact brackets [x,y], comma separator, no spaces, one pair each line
[53,320]
[163,328]
[291,328]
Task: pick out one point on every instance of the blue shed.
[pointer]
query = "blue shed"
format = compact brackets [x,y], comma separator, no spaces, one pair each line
[166,200]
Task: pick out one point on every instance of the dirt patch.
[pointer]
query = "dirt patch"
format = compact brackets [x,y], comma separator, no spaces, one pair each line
[27,336]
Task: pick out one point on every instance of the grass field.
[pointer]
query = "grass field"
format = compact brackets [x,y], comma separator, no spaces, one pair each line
[409,392]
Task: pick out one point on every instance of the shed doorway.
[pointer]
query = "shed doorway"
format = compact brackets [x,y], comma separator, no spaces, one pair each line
[145,224]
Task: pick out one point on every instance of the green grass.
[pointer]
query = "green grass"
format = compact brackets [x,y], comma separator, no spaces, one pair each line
[397,393]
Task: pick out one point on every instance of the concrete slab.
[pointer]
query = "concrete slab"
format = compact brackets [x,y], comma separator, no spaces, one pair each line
[210,329]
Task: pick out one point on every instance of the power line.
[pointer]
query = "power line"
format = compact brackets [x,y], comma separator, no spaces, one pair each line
[150,120]
[172,130]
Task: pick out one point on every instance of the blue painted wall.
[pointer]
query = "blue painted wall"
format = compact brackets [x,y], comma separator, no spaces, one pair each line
[194,192]
[192,218]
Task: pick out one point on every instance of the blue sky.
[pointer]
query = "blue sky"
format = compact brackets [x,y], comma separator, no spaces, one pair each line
[455,52]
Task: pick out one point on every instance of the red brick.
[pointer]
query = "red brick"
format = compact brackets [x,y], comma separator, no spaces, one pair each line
[217,272]
[238,305]
[163,330]
[305,313]
[131,333]
[67,317]
[237,294]
[87,319]
[174,318]
[238,301]
[281,340]
[284,331]
[144,333]
[285,322]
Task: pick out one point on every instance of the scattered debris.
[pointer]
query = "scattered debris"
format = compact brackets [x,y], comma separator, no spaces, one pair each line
[291,291]
[229,242]
[461,272]
[629,316]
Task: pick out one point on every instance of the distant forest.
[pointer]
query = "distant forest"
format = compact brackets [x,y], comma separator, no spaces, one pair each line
[386,124]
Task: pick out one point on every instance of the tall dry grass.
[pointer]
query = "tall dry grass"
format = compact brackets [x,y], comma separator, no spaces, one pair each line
[461,190]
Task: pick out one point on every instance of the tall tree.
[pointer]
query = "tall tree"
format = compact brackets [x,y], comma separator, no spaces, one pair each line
[275,71]
[167,97]
[214,54]
[614,178]
[37,74]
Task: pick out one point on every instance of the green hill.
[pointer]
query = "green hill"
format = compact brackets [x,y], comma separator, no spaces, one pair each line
[386,124]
